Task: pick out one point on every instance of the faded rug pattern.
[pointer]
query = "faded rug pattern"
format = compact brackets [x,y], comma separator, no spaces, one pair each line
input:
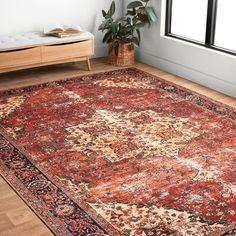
[121,153]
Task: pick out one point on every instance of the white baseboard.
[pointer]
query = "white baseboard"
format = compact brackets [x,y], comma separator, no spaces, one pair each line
[206,80]
[100,51]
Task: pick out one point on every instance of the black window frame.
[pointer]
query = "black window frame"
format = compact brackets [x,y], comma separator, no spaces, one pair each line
[210,27]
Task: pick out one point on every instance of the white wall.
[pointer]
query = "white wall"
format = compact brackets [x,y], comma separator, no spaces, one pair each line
[31,15]
[210,68]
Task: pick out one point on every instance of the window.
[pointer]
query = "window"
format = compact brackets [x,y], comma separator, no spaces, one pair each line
[189,23]
[210,23]
[225,24]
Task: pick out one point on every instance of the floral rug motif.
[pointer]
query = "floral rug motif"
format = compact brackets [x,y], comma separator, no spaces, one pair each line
[121,153]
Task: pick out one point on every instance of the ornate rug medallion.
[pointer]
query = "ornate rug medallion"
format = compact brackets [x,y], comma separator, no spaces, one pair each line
[117,135]
[121,153]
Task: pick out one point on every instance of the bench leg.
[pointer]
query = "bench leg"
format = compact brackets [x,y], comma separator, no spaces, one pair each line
[88,63]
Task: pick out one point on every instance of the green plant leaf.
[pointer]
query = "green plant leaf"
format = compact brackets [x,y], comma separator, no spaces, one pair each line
[143,17]
[136,41]
[100,27]
[151,14]
[140,24]
[105,24]
[104,13]
[126,29]
[131,12]
[112,9]
[128,19]
[107,36]
[134,4]
[114,27]
[139,35]
[109,40]
[141,10]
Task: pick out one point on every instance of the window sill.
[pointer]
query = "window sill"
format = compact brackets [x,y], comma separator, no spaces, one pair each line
[200,45]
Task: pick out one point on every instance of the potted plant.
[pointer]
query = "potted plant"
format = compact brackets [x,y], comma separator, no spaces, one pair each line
[123,34]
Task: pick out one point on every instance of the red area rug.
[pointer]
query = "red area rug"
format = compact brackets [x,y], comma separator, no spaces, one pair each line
[121,153]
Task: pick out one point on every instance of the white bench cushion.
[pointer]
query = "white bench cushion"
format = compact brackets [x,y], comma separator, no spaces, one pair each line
[27,40]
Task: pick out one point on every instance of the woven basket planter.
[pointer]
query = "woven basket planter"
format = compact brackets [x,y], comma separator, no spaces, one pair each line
[125,56]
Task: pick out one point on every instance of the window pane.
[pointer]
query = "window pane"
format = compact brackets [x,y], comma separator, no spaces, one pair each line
[225,25]
[189,18]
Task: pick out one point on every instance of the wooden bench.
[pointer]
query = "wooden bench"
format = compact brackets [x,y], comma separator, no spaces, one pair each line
[30,50]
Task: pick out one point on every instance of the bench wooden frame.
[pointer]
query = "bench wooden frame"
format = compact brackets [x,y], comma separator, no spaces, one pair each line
[42,55]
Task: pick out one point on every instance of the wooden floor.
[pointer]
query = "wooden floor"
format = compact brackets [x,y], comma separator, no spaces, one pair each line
[16,218]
